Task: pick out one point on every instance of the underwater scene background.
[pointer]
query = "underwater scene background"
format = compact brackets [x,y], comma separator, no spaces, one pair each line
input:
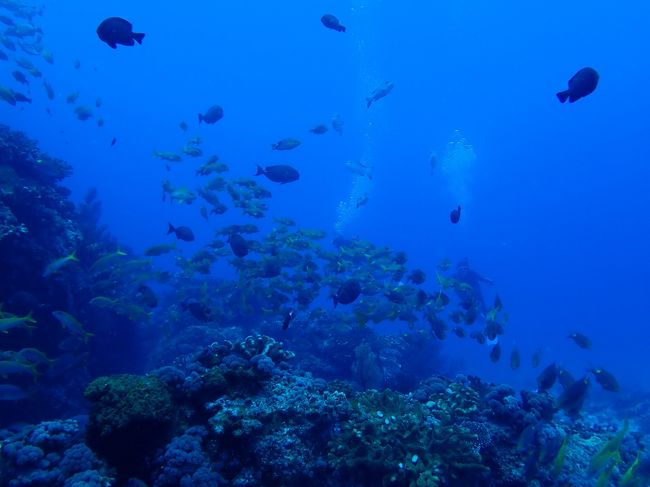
[336,243]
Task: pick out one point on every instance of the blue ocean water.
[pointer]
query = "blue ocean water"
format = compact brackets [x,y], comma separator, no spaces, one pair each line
[554,196]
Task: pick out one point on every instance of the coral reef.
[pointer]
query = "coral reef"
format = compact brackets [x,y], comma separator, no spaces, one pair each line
[48,454]
[130,417]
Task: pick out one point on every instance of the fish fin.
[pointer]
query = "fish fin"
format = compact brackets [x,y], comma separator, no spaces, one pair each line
[562,96]
[112,44]
[260,170]
[573,98]
[200,118]
[73,256]
[138,36]
[368,102]
[171,228]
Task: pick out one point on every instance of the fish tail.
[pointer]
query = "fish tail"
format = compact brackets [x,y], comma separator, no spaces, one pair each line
[73,256]
[29,318]
[562,96]
[260,170]
[171,228]
[138,36]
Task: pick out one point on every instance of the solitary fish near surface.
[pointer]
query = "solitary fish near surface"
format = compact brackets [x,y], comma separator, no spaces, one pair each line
[454,216]
[212,115]
[379,93]
[583,83]
[332,22]
[115,30]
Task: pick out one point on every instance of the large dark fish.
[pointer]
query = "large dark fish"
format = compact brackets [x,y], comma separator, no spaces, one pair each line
[212,115]
[347,293]
[547,378]
[332,22]
[182,233]
[115,30]
[573,397]
[379,93]
[606,380]
[281,173]
[454,215]
[583,83]
[238,245]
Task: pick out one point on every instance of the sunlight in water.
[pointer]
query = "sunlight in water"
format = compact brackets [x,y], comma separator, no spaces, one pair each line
[349,209]
[457,167]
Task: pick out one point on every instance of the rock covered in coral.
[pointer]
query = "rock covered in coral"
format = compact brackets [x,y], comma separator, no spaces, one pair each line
[53,454]
[130,417]
[185,463]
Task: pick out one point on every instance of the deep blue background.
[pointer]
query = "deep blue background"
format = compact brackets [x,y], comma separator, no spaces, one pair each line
[556,209]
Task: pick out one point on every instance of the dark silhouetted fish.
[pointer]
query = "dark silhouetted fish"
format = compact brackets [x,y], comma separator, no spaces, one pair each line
[19,97]
[515,359]
[20,77]
[417,276]
[212,115]
[573,397]
[606,380]
[182,233]
[581,340]
[115,30]
[347,293]
[495,353]
[583,83]
[536,358]
[113,141]
[454,216]
[332,22]
[281,173]
[564,377]
[48,90]
[547,378]
[319,129]
[379,93]
[288,319]
[238,245]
